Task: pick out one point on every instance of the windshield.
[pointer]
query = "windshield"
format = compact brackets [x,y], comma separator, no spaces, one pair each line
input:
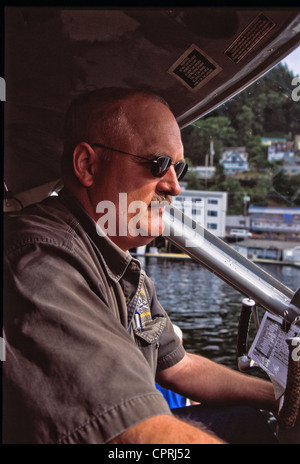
[250,146]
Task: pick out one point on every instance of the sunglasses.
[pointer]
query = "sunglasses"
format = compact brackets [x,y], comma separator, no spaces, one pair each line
[159,165]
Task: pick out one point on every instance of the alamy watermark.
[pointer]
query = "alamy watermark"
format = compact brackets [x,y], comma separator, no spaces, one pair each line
[138,218]
[296,91]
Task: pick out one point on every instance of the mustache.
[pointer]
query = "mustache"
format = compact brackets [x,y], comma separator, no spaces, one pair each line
[161,197]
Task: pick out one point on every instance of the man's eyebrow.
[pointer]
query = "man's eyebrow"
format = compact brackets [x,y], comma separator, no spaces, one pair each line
[158,154]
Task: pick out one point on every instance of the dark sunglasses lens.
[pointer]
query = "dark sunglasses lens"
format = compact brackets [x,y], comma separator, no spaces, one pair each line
[181,169]
[160,166]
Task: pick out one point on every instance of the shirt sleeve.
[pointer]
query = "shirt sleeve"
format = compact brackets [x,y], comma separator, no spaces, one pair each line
[72,372]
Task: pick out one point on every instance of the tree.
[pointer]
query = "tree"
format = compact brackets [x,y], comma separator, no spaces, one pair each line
[260,193]
[193,181]
[295,189]
[198,136]
[244,122]
[282,188]
[270,100]
[220,175]
[232,186]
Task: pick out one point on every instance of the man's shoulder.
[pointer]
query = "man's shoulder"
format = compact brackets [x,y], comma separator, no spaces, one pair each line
[48,222]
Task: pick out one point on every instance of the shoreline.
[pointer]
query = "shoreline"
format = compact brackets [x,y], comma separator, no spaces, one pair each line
[186,256]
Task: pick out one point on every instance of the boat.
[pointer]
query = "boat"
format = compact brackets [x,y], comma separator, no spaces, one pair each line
[197,58]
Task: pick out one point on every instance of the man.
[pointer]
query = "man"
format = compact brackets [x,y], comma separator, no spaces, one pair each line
[85,335]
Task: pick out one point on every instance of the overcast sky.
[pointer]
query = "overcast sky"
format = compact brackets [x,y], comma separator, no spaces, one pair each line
[293,61]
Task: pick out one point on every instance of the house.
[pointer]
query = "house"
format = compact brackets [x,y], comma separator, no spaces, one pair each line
[291,166]
[278,151]
[234,160]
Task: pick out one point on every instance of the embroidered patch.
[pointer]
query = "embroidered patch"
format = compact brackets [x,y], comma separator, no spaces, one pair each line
[142,310]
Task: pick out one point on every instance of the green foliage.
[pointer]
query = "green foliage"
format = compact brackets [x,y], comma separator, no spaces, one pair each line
[260,193]
[232,186]
[193,181]
[266,107]
[197,138]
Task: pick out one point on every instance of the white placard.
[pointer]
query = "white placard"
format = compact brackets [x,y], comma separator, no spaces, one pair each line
[270,349]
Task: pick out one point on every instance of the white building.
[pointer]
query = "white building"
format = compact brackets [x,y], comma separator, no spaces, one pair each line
[205,207]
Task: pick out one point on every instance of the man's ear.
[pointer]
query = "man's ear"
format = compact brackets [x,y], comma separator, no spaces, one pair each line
[84,159]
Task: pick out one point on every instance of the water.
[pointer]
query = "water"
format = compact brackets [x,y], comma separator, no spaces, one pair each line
[206,308]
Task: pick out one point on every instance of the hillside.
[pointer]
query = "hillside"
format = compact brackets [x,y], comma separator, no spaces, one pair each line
[265,109]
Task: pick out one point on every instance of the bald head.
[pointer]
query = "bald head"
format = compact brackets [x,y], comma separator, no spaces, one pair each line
[105,115]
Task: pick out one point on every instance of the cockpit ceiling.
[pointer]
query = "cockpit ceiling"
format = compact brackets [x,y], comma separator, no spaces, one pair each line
[196,58]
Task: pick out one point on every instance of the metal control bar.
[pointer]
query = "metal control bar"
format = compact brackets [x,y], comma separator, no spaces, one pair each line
[236,270]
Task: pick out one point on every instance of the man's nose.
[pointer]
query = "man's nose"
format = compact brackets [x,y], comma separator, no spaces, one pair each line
[169,183]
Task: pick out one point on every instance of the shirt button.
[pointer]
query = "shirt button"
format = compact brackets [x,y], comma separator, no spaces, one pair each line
[133,266]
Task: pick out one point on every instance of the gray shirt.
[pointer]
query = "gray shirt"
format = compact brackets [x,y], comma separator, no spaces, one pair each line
[85,333]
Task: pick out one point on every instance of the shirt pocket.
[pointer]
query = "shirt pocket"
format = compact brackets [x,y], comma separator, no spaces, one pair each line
[147,338]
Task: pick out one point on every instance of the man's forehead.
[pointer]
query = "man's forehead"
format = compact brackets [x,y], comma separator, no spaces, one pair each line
[150,127]
[151,116]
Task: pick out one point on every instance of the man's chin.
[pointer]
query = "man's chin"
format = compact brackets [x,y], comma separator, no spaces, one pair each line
[146,235]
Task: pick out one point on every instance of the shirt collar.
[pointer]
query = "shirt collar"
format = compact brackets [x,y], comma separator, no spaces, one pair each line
[115,260]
